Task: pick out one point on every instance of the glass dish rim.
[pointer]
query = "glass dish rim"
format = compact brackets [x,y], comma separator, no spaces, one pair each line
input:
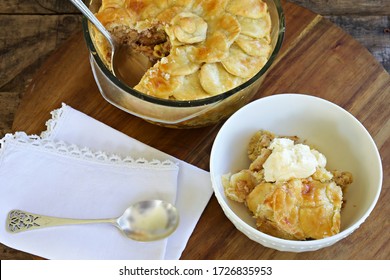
[186,103]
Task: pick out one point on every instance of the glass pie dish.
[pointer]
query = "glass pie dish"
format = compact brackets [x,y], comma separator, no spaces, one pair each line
[181,113]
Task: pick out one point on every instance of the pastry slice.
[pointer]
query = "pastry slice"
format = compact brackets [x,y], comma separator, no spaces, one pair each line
[213,49]
[256,28]
[158,83]
[178,62]
[297,209]
[190,88]
[188,28]
[247,8]
[215,79]
[240,64]
[228,25]
[254,46]
[210,8]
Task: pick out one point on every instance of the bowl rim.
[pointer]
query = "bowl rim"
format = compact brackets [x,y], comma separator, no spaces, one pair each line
[294,244]
[186,103]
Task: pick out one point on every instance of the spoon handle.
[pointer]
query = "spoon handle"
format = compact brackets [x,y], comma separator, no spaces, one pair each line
[18,221]
[92,18]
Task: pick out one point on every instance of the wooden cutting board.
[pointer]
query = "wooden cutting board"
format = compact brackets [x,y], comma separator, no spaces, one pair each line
[317,58]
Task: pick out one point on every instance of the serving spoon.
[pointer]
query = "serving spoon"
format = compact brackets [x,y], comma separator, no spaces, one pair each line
[126,65]
[147,220]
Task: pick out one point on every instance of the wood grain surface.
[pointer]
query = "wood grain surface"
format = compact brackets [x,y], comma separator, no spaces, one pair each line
[317,58]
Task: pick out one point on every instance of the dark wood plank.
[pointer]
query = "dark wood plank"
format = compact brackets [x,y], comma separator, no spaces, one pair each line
[29,39]
[9,102]
[36,7]
[367,21]
[330,7]
[346,7]
[373,32]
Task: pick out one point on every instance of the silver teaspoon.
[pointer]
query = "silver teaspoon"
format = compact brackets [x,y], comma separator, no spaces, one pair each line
[127,66]
[143,221]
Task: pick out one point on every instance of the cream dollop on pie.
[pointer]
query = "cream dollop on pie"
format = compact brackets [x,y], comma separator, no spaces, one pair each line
[199,48]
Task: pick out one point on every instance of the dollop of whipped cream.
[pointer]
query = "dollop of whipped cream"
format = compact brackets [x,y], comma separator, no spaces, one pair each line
[289,160]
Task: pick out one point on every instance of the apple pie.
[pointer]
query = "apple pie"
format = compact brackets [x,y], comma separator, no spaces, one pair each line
[198,48]
[296,207]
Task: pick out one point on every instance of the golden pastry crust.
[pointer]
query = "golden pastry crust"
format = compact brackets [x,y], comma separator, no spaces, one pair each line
[240,185]
[256,28]
[215,79]
[297,209]
[242,65]
[179,62]
[228,38]
[160,83]
[247,8]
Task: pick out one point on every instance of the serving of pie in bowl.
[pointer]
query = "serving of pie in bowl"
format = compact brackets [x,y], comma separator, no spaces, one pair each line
[208,57]
[294,172]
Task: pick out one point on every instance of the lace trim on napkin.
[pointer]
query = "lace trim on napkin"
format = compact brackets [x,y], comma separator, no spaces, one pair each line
[52,123]
[81,153]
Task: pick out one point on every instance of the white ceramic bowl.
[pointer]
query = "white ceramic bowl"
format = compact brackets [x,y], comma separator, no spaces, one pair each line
[332,130]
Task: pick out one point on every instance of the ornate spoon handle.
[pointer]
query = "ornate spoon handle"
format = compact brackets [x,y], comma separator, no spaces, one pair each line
[18,221]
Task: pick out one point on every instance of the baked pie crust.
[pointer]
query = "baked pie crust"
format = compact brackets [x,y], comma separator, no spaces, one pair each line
[199,48]
[296,209]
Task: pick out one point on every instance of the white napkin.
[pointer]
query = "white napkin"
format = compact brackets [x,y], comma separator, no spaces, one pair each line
[95,193]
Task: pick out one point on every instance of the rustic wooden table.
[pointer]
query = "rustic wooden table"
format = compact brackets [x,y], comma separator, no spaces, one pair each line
[32,30]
